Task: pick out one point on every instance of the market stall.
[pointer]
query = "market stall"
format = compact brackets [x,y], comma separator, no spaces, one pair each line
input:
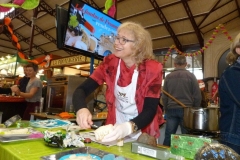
[34,145]
[36,148]
[11,105]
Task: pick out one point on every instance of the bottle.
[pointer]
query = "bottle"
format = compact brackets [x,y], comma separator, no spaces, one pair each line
[214,90]
[71,109]
[41,104]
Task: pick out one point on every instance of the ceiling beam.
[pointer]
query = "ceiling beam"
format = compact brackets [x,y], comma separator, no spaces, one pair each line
[45,7]
[1,52]
[164,50]
[168,36]
[35,12]
[193,22]
[167,25]
[7,48]
[148,11]
[20,37]
[206,16]
[174,20]
[38,29]
[237,4]
[92,3]
[218,19]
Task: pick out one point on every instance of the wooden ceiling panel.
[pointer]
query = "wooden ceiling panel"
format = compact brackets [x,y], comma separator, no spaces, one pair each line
[48,47]
[165,2]
[188,39]
[17,23]
[61,53]
[24,46]
[174,12]
[163,43]
[157,32]
[152,18]
[52,3]
[143,12]
[5,43]
[48,21]
[223,20]
[201,6]
[130,7]
[4,37]
[182,27]
[40,39]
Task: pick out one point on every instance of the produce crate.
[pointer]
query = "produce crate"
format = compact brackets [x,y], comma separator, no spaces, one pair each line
[187,145]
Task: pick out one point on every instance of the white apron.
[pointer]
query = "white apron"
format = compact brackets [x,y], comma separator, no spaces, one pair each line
[126,108]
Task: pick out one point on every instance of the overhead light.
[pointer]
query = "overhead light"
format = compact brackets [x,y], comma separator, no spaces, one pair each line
[8,56]
[77,66]
[41,71]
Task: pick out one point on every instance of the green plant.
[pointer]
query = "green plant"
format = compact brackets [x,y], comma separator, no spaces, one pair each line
[73,21]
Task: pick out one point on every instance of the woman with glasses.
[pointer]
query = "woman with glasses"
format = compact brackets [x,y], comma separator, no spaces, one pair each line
[133,80]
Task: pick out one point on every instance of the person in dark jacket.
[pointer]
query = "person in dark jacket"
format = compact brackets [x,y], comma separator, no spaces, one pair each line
[229,94]
[183,86]
[23,81]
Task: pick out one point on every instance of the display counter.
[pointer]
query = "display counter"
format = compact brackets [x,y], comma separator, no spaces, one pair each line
[34,149]
[11,105]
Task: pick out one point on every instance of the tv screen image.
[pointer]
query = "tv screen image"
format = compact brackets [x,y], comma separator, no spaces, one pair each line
[89,29]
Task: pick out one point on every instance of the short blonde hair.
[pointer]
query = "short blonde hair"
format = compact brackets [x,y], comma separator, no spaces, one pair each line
[235,44]
[231,58]
[142,47]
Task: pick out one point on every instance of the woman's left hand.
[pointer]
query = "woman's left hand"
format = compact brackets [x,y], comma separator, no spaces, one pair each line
[84,118]
[119,131]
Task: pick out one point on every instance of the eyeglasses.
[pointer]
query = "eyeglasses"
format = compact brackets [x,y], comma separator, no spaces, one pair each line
[122,40]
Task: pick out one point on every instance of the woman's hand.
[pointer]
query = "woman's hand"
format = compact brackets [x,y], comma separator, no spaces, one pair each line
[119,131]
[84,118]
[15,89]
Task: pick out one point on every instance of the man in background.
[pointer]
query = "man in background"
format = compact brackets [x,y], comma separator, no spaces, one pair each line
[183,86]
[24,80]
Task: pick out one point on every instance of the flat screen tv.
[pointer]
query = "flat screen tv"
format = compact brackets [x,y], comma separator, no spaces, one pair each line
[89,30]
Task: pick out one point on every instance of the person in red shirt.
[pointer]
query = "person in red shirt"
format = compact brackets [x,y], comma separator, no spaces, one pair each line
[133,80]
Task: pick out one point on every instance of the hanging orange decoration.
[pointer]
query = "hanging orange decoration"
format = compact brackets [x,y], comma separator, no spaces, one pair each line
[7,22]
[209,42]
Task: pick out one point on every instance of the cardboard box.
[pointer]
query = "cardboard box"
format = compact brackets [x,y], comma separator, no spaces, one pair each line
[187,145]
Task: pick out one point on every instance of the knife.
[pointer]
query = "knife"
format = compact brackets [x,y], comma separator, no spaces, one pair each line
[93,126]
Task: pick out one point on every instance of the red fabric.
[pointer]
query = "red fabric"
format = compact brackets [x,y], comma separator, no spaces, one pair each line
[148,85]
[125,76]
[30,109]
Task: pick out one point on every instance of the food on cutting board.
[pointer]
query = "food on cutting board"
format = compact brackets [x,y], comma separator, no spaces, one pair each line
[14,131]
[147,139]
[103,131]
[71,139]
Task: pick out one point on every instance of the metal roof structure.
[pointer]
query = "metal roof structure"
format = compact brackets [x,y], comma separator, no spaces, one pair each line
[170,22]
